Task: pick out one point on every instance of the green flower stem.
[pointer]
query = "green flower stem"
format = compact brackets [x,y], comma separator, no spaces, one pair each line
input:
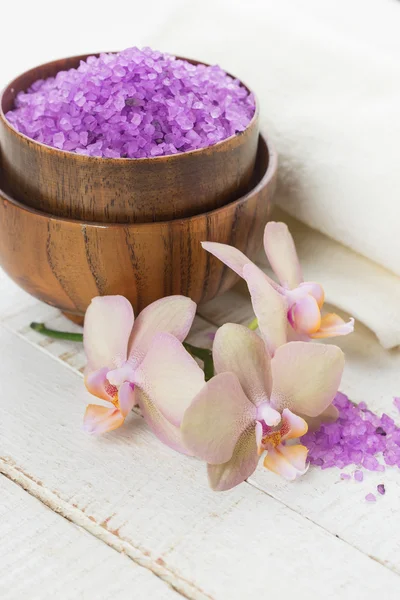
[254,324]
[59,335]
[202,353]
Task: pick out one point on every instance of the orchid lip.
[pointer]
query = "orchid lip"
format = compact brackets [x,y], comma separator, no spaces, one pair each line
[272,436]
[290,316]
[111,390]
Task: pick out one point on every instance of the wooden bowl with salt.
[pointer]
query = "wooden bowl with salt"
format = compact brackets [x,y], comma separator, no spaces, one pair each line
[120,190]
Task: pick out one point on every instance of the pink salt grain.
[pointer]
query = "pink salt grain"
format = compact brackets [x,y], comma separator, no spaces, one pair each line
[358,475]
[133,104]
[370,498]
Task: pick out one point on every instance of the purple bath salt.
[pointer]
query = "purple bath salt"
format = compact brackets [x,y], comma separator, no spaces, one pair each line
[381,489]
[358,475]
[133,104]
[370,498]
[359,437]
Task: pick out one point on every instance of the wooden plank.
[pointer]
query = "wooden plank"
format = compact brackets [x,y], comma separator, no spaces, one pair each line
[12,298]
[42,555]
[70,353]
[153,504]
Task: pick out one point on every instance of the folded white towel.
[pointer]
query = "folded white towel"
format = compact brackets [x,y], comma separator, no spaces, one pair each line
[327,74]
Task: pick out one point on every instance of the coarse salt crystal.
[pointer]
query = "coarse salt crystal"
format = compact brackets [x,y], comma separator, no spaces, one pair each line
[113,101]
[359,437]
[370,498]
[358,475]
[381,489]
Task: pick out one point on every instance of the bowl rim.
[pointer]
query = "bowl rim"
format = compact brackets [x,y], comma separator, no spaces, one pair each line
[266,178]
[252,123]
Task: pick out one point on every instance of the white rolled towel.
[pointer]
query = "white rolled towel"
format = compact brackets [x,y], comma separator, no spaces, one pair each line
[327,74]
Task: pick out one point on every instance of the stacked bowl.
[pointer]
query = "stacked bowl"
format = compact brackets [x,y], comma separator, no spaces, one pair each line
[74,226]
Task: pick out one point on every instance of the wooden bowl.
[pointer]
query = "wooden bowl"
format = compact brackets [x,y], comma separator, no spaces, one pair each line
[66,263]
[112,190]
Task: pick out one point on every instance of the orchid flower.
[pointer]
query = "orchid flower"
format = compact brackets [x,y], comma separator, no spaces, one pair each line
[255,403]
[301,302]
[130,360]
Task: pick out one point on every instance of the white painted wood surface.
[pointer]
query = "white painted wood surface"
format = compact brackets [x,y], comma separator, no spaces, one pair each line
[315,536]
[45,556]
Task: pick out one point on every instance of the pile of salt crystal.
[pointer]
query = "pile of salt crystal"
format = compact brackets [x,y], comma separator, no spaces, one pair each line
[133,104]
[356,438]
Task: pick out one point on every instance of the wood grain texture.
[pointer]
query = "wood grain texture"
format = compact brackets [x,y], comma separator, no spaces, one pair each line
[66,263]
[112,190]
[154,504]
[45,556]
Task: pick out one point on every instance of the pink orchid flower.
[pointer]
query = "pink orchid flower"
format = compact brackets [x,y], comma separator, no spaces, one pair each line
[301,302]
[256,404]
[130,362]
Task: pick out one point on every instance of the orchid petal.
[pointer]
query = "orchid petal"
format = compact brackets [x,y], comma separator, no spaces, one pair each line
[100,419]
[269,306]
[240,467]
[306,377]
[330,415]
[293,425]
[296,454]
[108,325]
[287,461]
[241,351]
[275,462]
[230,256]
[333,325]
[216,419]
[173,314]
[126,398]
[166,432]
[281,252]
[97,384]
[169,376]
[305,316]
[315,290]
[233,258]
[295,336]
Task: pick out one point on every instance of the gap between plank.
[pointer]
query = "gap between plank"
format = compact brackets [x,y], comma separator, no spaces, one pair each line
[73,514]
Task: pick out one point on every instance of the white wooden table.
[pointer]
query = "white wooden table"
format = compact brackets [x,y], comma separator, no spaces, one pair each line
[123,517]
